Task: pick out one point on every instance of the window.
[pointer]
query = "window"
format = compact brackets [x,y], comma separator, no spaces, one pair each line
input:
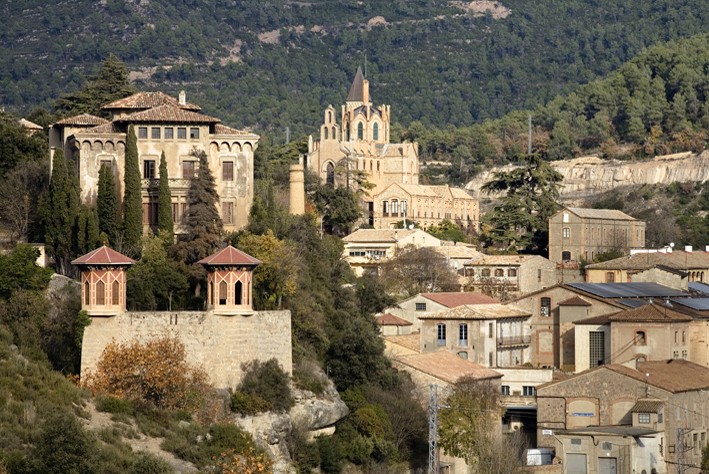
[149,169]
[228,213]
[675,355]
[643,418]
[222,292]
[395,208]
[194,133]
[441,333]
[375,131]
[597,348]
[228,171]
[181,133]
[610,277]
[565,256]
[360,131]
[486,272]
[115,293]
[155,133]
[420,306]
[107,164]
[385,208]
[489,359]
[403,208]
[528,391]
[565,217]
[566,232]
[545,307]
[330,178]
[539,275]
[327,132]
[512,272]
[684,355]
[505,389]
[463,335]
[640,338]
[659,420]
[169,133]
[87,293]
[676,337]
[489,330]
[100,293]
[499,272]
[188,169]
[683,336]
[176,212]
[143,132]
[238,292]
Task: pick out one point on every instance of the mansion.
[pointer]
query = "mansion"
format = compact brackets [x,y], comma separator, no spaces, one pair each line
[167,125]
[358,149]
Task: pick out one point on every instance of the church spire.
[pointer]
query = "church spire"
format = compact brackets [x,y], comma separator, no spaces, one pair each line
[357,91]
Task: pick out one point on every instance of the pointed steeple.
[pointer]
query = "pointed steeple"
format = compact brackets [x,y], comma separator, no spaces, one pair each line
[356,93]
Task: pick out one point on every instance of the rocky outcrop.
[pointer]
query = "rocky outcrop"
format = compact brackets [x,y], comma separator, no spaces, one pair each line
[587,176]
[316,414]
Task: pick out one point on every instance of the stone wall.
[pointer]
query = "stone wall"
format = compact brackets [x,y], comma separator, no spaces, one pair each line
[219,344]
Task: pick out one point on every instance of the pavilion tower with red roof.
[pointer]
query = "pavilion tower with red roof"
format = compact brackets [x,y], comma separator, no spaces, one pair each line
[103,281]
[229,281]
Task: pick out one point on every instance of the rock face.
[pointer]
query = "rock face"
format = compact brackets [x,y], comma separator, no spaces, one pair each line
[317,414]
[586,176]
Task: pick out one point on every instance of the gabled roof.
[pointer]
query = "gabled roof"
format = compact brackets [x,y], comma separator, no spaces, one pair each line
[647,406]
[381,235]
[110,127]
[84,120]
[483,259]
[388,319]
[628,290]
[447,366]
[147,100]
[611,214]
[479,311]
[30,125]
[575,301]
[229,256]
[168,113]
[647,313]
[103,256]
[452,299]
[220,129]
[675,260]
[356,93]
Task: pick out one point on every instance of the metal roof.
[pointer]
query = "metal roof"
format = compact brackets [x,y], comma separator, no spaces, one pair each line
[699,287]
[699,304]
[627,290]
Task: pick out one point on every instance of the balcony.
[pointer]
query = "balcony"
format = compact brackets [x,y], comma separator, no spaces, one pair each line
[175,183]
[506,341]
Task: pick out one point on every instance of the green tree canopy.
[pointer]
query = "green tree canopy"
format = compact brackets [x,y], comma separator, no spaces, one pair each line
[132,197]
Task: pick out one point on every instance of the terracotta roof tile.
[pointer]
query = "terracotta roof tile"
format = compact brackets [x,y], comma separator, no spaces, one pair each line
[230,256]
[110,127]
[83,120]
[479,311]
[575,301]
[103,256]
[408,341]
[168,113]
[379,235]
[648,406]
[675,260]
[650,312]
[611,214]
[483,259]
[220,129]
[388,319]
[674,375]
[30,125]
[148,100]
[458,298]
[447,366]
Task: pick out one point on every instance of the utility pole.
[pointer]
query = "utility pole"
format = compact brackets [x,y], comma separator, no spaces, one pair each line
[433,430]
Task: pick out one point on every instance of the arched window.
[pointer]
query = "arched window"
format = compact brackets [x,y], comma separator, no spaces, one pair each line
[222,292]
[375,131]
[486,272]
[360,131]
[330,179]
[329,116]
[87,293]
[334,133]
[512,272]
[347,132]
[238,291]
[211,293]
[327,130]
[499,272]
[100,293]
[115,293]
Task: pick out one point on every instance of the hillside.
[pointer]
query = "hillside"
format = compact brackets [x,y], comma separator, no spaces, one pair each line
[275,64]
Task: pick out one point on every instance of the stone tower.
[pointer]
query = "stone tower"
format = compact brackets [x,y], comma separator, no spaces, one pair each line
[103,281]
[297,190]
[229,281]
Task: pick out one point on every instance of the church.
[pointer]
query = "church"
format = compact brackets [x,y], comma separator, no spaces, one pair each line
[162,124]
[357,153]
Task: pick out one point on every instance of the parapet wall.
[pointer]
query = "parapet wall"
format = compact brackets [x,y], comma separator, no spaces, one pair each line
[218,344]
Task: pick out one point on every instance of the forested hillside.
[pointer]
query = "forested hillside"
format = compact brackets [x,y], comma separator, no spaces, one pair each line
[275,64]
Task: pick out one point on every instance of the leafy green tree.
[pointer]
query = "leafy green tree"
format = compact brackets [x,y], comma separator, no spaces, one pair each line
[63,331]
[19,206]
[107,204]
[108,85]
[61,215]
[19,270]
[17,146]
[165,225]
[87,233]
[339,207]
[520,221]
[132,197]
[64,447]
[418,270]
[447,230]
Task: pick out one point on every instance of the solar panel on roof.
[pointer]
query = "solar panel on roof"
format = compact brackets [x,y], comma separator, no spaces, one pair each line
[633,302]
[699,304]
[628,290]
[699,287]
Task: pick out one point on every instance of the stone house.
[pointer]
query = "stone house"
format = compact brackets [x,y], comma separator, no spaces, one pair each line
[390,325]
[509,274]
[222,338]
[167,125]
[618,419]
[650,332]
[577,234]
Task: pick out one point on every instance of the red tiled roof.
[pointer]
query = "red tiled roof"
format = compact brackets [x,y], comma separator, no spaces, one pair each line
[646,313]
[673,375]
[103,256]
[105,128]
[230,256]
[575,301]
[459,298]
[148,100]
[388,319]
[168,113]
[83,119]
[220,129]
[447,366]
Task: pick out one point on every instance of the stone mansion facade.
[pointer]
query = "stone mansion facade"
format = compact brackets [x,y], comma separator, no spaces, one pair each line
[167,125]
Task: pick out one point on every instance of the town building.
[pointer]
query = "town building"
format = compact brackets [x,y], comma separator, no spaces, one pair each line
[580,235]
[358,149]
[623,420]
[162,124]
[506,276]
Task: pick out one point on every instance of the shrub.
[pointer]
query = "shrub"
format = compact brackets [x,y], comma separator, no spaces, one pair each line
[147,463]
[200,446]
[64,447]
[308,376]
[248,404]
[154,371]
[114,405]
[250,462]
[266,380]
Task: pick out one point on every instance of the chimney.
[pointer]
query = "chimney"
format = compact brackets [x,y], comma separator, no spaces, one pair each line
[688,248]
[182,99]
[297,189]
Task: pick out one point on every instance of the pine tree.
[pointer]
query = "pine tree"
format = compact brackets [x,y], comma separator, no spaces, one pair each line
[132,197]
[107,204]
[165,224]
[61,216]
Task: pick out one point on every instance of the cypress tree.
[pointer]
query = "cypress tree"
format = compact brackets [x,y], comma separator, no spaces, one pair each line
[166,227]
[107,204]
[132,197]
[62,211]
